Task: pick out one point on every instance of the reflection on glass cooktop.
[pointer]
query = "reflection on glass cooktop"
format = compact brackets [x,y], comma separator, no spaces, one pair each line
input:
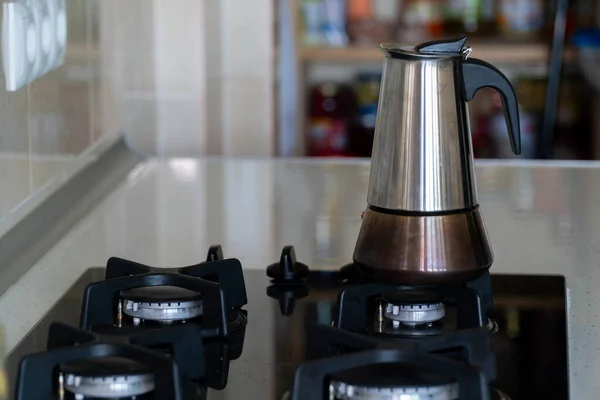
[530,344]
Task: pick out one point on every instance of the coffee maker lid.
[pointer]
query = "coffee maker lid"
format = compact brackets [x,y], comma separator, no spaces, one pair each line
[434,49]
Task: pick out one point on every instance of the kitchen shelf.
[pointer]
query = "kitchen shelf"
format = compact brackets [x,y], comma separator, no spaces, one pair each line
[491,52]
[299,63]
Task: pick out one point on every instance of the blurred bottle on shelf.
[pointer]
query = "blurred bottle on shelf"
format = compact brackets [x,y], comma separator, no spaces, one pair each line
[311,19]
[367,91]
[372,21]
[520,19]
[324,22]
[473,17]
[333,110]
[420,20]
[334,26]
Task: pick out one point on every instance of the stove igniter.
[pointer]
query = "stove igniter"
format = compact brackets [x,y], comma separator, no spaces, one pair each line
[492,326]
[161,303]
[413,308]
[109,387]
[343,391]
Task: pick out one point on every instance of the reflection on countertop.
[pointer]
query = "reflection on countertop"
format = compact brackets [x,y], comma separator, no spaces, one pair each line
[541,218]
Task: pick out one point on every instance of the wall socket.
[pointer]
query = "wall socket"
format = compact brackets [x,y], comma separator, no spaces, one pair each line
[34,39]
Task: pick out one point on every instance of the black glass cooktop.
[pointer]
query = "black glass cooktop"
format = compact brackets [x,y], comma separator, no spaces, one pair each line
[530,344]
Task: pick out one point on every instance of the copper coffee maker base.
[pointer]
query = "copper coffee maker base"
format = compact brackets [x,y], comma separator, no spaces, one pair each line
[423,249]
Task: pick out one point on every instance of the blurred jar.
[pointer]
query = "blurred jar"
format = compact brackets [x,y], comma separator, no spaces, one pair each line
[334,23]
[521,18]
[475,17]
[312,15]
[372,21]
[421,20]
[332,108]
[367,91]
[323,23]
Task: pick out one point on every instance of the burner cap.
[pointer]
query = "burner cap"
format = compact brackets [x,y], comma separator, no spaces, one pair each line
[110,378]
[412,307]
[162,303]
[390,382]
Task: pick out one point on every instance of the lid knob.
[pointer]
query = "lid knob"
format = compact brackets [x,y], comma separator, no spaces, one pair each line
[443,46]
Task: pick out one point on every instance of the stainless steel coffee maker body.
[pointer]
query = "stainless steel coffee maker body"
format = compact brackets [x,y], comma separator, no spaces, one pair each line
[423,224]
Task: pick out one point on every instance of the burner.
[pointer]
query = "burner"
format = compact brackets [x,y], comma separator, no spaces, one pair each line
[404,306]
[213,290]
[183,344]
[391,382]
[106,378]
[164,304]
[98,309]
[412,308]
[470,346]
[97,371]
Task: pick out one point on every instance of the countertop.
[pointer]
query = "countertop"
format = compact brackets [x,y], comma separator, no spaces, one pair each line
[542,218]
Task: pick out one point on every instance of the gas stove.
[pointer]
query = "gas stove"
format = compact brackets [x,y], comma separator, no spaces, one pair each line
[190,333]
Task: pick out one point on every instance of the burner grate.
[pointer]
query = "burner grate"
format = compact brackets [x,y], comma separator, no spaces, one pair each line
[184,343]
[36,379]
[383,369]
[212,292]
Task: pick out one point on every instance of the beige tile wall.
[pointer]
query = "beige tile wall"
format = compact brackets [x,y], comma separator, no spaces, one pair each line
[178,77]
[245,76]
[129,59]
[47,124]
[212,77]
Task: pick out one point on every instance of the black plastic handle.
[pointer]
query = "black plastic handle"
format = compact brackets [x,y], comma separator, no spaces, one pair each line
[478,74]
